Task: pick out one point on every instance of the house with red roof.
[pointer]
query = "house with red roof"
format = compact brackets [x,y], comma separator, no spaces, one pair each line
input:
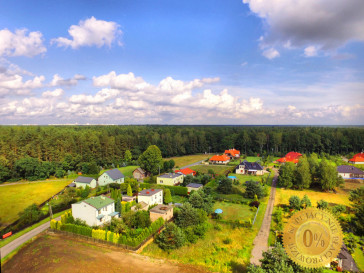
[219,159]
[290,157]
[232,153]
[186,171]
[357,159]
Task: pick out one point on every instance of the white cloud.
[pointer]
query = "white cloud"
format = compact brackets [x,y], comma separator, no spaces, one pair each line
[271,53]
[310,51]
[53,94]
[328,24]
[14,84]
[100,97]
[91,32]
[59,81]
[20,43]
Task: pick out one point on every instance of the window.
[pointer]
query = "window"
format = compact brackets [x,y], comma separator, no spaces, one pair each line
[161,181]
[99,211]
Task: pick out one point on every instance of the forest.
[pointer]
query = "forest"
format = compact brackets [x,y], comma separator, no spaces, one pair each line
[71,147]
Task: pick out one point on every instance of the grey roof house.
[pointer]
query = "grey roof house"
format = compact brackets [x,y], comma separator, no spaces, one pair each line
[246,167]
[350,172]
[111,176]
[83,181]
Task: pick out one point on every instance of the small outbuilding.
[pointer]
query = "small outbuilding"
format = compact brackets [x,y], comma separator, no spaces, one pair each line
[83,181]
[139,174]
[194,187]
[164,211]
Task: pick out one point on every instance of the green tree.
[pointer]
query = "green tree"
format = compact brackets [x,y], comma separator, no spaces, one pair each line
[305,202]
[286,175]
[151,160]
[294,202]
[60,173]
[322,204]
[187,180]
[328,176]
[275,260]
[129,192]
[30,215]
[93,168]
[224,185]
[254,188]
[302,174]
[5,173]
[171,237]
[196,200]
[190,216]
[261,139]
[128,156]
[167,196]
[357,197]
[118,205]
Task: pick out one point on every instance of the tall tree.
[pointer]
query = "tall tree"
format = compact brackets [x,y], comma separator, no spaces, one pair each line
[302,174]
[167,196]
[127,156]
[286,175]
[151,159]
[328,176]
[261,139]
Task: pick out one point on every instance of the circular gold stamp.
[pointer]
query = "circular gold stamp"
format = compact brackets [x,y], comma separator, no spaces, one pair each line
[312,237]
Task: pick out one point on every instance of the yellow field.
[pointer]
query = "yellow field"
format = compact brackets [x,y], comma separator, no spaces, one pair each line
[181,161]
[15,198]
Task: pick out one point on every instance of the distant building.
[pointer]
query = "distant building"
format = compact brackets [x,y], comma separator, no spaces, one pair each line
[164,211]
[290,157]
[83,181]
[194,187]
[186,171]
[111,176]
[349,172]
[139,174]
[151,196]
[95,211]
[219,159]
[246,167]
[170,179]
[232,153]
[357,159]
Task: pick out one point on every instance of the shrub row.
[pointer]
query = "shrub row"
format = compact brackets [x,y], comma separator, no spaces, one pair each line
[175,190]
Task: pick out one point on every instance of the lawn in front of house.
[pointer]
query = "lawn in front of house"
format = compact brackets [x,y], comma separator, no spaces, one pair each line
[252,158]
[234,212]
[246,177]
[218,169]
[181,161]
[126,171]
[15,198]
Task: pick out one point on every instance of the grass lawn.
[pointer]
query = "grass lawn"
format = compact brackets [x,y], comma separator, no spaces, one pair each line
[127,171]
[179,199]
[15,198]
[252,158]
[218,169]
[181,161]
[245,177]
[232,211]
[359,258]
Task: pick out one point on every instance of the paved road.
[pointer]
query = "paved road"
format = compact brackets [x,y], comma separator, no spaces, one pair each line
[5,250]
[193,164]
[261,241]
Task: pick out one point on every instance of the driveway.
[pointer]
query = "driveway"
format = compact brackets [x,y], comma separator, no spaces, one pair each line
[193,164]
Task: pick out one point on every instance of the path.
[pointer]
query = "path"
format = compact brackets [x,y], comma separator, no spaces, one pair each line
[193,164]
[261,241]
[5,250]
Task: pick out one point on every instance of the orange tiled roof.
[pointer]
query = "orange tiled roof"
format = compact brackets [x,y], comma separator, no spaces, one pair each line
[358,158]
[233,152]
[186,171]
[219,158]
[290,157]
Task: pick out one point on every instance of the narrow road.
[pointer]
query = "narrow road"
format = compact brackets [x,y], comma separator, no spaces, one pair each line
[5,250]
[261,241]
[193,164]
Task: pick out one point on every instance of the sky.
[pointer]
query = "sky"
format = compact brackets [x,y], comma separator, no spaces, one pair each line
[221,62]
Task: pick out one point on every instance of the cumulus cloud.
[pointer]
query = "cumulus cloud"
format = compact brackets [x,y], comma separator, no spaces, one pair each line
[328,24]
[53,94]
[271,53]
[59,81]
[20,43]
[100,97]
[310,51]
[91,32]
[15,84]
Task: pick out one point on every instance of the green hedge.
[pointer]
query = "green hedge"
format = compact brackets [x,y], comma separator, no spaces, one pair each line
[175,190]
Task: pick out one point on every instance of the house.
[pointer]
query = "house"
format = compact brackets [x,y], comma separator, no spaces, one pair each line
[164,211]
[139,174]
[349,172]
[83,181]
[346,261]
[232,153]
[194,187]
[95,211]
[357,159]
[290,157]
[246,167]
[219,159]
[186,171]
[170,179]
[126,198]
[151,196]
[111,176]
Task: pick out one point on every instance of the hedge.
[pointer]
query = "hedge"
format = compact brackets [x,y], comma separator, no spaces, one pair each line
[175,190]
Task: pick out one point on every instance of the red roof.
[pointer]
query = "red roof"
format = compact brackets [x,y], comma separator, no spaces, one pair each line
[290,157]
[232,152]
[219,158]
[358,158]
[186,171]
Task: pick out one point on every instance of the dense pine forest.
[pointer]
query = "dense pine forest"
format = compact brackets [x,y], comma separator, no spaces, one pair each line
[67,147]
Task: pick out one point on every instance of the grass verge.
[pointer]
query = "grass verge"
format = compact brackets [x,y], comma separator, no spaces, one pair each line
[181,161]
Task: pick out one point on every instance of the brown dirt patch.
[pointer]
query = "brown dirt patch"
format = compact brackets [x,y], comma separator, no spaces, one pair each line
[57,253]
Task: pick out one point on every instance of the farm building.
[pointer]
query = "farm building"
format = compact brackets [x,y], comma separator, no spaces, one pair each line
[170,179]
[290,157]
[111,176]
[139,174]
[349,172]
[186,171]
[95,211]
[246,167]
[83,181]
[357,159]
[164,211]
[151,196]
[232,153]
[219,159]
[194,187]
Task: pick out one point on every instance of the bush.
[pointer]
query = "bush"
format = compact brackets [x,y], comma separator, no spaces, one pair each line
[254,189]
[254,204]
[294,202]
[227,241]
[322,204]
[171,238]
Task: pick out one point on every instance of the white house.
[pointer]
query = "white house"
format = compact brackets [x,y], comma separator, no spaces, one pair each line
[82,181]
[111,176]
[349,172]
[194,187]
[95,211]
[151,196]
[249,168]
[170,179]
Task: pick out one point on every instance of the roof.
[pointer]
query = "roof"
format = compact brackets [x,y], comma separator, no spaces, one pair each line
[251,165]
[83,179]
[194,185]
[348,263]
[142,205]
[233,152]
[149,192]
[139,170]
[162,209]
[219,158]
[72,185]
[186,171]
[98,202]
[349,169]
[115,174]
[358,158]
[170,175]
[290,157]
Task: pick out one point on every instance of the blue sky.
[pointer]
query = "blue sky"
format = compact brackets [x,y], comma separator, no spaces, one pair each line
[182,62]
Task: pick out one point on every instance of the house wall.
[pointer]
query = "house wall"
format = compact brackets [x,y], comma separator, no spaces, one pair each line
[92,185]
[151,200]
[154,216]
[105,179]
[240,170]
[88,213]
[220,162]
[138,176]
[170,181]
[189,189]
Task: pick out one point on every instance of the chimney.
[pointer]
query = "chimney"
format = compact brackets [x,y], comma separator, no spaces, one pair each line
[152,189]
[147,192]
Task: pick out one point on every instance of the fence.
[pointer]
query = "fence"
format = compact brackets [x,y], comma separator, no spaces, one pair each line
[256,215]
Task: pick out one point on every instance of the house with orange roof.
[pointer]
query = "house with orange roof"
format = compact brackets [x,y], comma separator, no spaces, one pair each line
[290,157]
[186,171]
[357,159]
[219,159]
[232,153]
